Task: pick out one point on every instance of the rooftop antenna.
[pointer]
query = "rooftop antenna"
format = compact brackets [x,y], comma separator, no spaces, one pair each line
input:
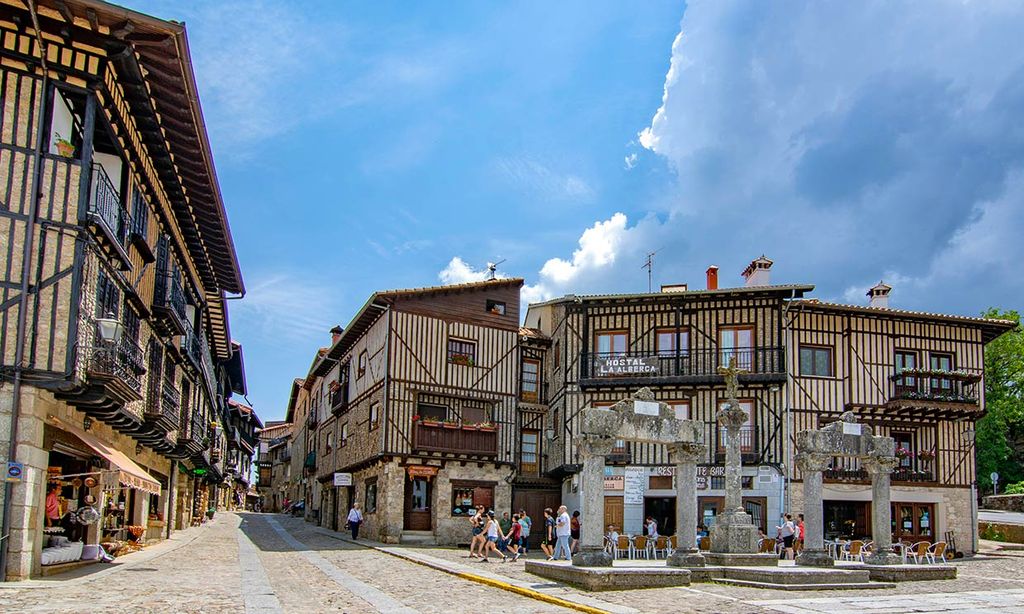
[492,269]
[649,265]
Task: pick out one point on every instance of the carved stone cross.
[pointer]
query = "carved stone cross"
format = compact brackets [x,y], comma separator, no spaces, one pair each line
[731,375]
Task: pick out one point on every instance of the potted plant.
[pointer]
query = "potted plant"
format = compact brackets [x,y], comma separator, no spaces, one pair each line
[486,426]
[461,359]
[902,453]
[64,147]
[926,455]
[450,423]
[428,421]
[210,512]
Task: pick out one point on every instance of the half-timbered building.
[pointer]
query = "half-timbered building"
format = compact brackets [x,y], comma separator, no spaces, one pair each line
[604,347]
[418,398]
[916,377]
[117,258]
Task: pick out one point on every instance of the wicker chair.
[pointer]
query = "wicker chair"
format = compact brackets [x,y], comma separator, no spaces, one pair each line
[936,551]
[640,547]
[660,546]
[919,552]
[622,548]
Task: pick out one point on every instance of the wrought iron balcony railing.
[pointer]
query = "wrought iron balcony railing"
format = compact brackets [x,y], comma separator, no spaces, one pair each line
[105,208]
[685,363]
[935,386]
[121,361]
[169,303]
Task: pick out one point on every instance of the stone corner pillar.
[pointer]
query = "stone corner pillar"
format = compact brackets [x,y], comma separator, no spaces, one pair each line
[593,450]
[811,466]
[881,468]
[685,456]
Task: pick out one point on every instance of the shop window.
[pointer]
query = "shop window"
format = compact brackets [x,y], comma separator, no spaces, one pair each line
[374,415]
[496,307]
[816,361]
[462,352]
[670,341]
[370,498]
[660,482]
[467,495]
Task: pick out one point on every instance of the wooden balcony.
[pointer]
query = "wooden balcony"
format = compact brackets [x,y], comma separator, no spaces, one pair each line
[463,440]
[955,392]
[763,365]
[861,476]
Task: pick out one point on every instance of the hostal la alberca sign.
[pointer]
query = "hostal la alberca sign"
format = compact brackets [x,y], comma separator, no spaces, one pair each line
[626,365]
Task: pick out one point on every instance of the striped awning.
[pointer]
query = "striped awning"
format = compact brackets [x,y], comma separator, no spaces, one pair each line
[129,472]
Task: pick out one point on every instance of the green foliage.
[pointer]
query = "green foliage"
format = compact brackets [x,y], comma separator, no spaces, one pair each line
[989,531]
[1000,434]
[1014,489]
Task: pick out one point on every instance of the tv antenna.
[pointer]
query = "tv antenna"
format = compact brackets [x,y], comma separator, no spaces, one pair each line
[649,265]
[492,269]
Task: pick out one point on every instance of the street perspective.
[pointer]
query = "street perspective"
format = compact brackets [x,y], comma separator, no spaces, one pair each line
[702,306]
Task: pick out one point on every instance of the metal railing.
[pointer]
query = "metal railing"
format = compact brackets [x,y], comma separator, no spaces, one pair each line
[190,345]
[339,398]
[170,400]
[168,293]
[902,474]
[122,360]
[688,363]
[951,388]
[105,206]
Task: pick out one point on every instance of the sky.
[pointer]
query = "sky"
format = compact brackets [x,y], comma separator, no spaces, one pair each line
[369,146]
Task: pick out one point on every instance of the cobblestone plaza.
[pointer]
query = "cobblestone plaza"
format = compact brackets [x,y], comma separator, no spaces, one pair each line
[276,563]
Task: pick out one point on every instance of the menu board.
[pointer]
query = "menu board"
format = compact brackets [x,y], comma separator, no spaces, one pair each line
[633,493]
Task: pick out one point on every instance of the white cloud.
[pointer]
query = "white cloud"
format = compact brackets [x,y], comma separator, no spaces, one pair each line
[459,271]
[631,161]
[541,181]
[288,306]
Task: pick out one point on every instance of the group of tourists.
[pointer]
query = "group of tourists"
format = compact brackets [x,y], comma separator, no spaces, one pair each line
[791,534]
[499,536]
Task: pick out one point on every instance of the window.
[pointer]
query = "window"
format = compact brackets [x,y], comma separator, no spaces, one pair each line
[746,431]
[430,411]
[529,442]
[816,361]
[611,342]
[467,495]
[362,364]
[906,360]
[530,383]
[660,482]
[370,498]
[904,442]
[941,362]
[681,409]
[496,307]
[737,342]
[108,298]
[462,352]
[374,415]
[669,340]
[140,212]
[475,412]
[328,443]
[344,435]
[555,353]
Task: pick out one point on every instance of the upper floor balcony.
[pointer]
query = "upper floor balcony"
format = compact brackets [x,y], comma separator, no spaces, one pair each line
[168,305]
[163,405]
[450,437]
[931,389]
[689,366]
[339,398]
[108,216]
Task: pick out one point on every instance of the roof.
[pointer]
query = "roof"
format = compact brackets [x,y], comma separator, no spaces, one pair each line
[296,385]
[473,285]
[533,333]
[783,291]
[274,427]
[990,327]
[245,410]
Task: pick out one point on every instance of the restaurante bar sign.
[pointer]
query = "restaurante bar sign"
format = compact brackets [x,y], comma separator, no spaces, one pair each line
[609,366]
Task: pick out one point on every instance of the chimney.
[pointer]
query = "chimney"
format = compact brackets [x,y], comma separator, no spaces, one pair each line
[336,334]
[758,272]
[879,295]
[712,277]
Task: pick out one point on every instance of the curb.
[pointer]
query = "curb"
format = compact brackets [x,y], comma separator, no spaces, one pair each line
[505,586]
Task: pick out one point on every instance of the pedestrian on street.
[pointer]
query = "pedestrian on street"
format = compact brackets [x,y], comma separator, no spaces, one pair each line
[652,528]
[355,518]
[526,523]
[514,537]
[799,543]
[787,530]
[574,531]
[548,540]
[505,523]
[492,533]
[479,539]
[563,531]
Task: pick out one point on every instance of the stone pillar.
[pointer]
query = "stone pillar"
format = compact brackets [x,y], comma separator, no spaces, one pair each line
[881,468]
[734,531]
[814,553]
[593,450]
[685,457]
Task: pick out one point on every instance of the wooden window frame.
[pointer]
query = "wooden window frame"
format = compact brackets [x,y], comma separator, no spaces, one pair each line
[343,435]
[362,364]
[686,402]
[522,464]
[752,349]
[523,394]
[611,331]
[675,331]
[814,347]
[942,383]
[374,420]
[465,355]
[911,437]
[496,308]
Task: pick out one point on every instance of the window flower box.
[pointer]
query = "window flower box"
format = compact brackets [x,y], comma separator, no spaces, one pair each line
[462,359]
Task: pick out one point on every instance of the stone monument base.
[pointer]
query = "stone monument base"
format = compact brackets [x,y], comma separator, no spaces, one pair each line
[728,559]
[883,558]
[815,558]
[683,558]
[610,578]
[734,533]
[592,557]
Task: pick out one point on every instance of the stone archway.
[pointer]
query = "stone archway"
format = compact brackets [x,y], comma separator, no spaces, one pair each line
[815,449]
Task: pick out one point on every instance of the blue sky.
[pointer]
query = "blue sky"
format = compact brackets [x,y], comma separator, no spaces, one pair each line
[365,146]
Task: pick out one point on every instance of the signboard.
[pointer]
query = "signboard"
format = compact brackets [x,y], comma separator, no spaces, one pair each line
[663,470]
[15,472]
[611,366]
[706,472]
[614,482]
[647,408]
[342,479]
[633,491]
[852,428]
[421,471]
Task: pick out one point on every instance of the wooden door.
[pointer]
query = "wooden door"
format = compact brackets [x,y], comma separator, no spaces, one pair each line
[534,501]
[417,505]
[613,512]
[913,522]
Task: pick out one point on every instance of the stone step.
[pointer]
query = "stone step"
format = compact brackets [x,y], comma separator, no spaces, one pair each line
[809,587]
[418,538]
[796,575]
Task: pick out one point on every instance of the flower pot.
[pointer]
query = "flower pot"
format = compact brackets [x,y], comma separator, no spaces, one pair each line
[487,429]
[430,423]
[65,149]
[449,425]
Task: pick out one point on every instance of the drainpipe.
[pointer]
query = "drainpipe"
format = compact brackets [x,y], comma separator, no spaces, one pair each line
[26,270]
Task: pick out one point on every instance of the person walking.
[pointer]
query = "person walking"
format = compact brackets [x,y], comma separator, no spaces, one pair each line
[574,532]
[652,528]
[787,530]
[479,539]
[491,530]
[563,531]
[526,523]
[548,539]
[514,537]
[355,518]
[799,545]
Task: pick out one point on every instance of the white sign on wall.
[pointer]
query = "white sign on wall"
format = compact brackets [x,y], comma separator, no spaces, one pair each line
[633,491]
[342,479]
[646,408]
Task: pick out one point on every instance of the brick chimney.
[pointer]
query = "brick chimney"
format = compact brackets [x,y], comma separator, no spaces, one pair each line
[879,295]
[758,272]
[712,277]
[336,334]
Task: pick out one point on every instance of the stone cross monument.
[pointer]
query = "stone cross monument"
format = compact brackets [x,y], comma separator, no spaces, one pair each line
[639,418]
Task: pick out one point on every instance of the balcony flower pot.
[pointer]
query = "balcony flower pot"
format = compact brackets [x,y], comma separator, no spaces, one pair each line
[431,422]
[460,359]
[450,425]
[486,429]
[64,147]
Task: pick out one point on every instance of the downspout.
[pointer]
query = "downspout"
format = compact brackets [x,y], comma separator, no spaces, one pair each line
[786,451]
[26,270]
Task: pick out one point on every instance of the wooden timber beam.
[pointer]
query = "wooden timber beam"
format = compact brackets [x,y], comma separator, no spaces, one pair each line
[161,41]
[64,11]
[94,22]
[122,30]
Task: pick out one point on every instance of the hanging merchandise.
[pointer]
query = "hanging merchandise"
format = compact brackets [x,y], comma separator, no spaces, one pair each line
[87,515]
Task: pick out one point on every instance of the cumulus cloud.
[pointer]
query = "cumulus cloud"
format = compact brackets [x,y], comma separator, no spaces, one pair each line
[459,271]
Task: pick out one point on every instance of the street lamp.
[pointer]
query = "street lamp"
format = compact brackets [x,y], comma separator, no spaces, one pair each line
[110,328]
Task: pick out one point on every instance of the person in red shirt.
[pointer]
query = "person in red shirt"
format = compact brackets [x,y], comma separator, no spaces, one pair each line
[800,532]
[53,505]
[514,537]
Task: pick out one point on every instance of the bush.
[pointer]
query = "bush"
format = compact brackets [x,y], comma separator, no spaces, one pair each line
[1014,489]
[990,532]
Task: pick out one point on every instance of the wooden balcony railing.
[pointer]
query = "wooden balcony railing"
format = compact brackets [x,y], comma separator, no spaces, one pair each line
[458,440]
[902,474]
[689,363]
[931,386]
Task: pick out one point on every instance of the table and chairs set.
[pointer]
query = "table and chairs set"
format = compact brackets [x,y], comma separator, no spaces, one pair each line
[922,552]
[640,546]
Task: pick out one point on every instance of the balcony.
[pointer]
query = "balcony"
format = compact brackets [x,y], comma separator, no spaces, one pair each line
[162,409]
[454,439]
[748,445]
[861,476]
[763,365]
[108,217]
[924,389]
[117,367]
[339,399]
[190,347]
[168,305]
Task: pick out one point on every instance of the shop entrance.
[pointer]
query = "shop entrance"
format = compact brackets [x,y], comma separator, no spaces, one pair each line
[847,519]
[663,510]
[614,513]
[417,504]
[534,501]
[913,522]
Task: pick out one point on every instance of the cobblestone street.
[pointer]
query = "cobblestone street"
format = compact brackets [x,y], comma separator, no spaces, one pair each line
[274,563]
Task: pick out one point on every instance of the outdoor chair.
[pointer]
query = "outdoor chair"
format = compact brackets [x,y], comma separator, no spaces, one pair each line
[705,544]
[936,551]
[918,552]
[673,545]
[640,547]
[622,549]
[853,551]
[660,545]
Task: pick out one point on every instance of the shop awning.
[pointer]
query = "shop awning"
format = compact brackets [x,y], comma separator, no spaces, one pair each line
[129,473]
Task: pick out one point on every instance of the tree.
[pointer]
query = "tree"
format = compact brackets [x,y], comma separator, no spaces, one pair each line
[1000,434]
